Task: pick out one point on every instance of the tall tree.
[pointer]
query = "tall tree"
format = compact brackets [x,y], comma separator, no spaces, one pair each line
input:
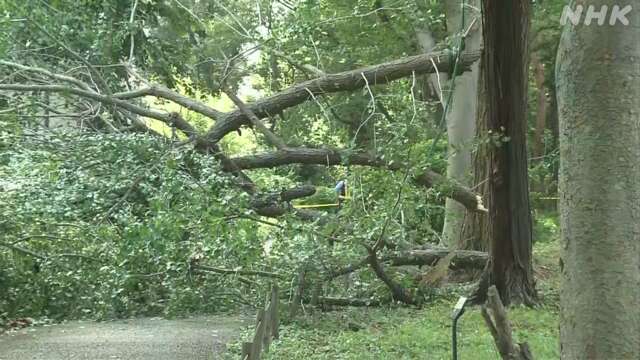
[505,31]
[598,91]
[475,229]
[461,115]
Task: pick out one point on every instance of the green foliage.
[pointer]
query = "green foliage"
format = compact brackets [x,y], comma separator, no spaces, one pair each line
[115,221]
[102,225]
[400,333]
[409,333]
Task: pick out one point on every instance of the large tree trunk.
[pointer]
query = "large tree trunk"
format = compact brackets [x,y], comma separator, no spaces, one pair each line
[461,121]
[598,88]
[505,26]
[475,230]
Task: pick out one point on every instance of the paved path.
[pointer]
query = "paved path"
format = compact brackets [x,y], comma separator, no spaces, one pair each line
[136,339]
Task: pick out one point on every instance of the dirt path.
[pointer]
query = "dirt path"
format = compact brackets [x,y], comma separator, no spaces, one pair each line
[143,339]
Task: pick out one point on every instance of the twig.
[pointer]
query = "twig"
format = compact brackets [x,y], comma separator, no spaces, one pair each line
[237,272]
[65,78]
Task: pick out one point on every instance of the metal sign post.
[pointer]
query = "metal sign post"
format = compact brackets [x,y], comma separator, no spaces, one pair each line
[458,310]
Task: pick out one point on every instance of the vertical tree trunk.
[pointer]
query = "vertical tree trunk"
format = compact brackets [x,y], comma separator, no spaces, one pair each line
[461,119]
[475,230]
[506,25]
[598,88]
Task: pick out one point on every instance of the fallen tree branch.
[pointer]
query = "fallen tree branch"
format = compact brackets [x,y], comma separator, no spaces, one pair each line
[344,81]
[171,119]
[40,256]
[257,123]
[332,157]
[323,300]
[276,204]
[462,259]
[297,192]
[160,91]
[47,73]
[397,291]
[500,328]
[294,95]
[218,270]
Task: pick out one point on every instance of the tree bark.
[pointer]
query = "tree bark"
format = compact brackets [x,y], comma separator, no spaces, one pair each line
[461,120]
[461,259]
[598,88]
[398,292]
[332,83]
[495,317]
[331,157]
[476,231]
[506,25]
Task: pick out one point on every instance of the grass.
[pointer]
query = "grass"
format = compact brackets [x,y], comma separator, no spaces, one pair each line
[409,333]
[404,333]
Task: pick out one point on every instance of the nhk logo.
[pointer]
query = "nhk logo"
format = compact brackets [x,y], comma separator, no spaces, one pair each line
[574,15]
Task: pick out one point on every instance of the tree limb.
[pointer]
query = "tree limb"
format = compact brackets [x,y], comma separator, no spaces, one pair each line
[160,91]
[331,157]
[500,328]
[397,291]
[172,119]
[47,73]
[462,259]
[332,83]
[237,272]
[257,123]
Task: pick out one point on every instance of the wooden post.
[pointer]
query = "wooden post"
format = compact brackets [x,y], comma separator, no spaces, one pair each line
[297,296]
[275,315]
[317,292]
[266,339]
[246,350]
[257,339]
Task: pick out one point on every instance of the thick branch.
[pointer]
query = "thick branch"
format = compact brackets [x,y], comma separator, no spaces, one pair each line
[297,192]
[397,291]
[345,81]
[462,259]
[276,204]
[452,189]
[500,328]
[168,94]
[169,118]
[298,155]
[270,136]
[330,157]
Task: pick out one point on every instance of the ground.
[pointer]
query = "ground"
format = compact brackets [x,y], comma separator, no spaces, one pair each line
[141,339]
[400,332]
[382,333]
